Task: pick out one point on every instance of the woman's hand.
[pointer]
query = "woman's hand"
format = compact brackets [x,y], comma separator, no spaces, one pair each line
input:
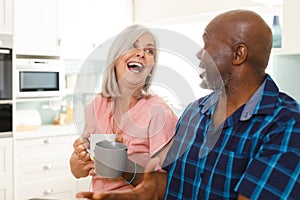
[80,162]
[80,150]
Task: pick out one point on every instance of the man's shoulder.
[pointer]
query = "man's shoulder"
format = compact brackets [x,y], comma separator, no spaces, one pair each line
[286,99]
[288,104]
[277,101]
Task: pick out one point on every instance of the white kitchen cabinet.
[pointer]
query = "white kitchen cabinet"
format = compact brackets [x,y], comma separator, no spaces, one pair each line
[6,166]
[6,13]
[42,164]
[76,19]
[290,27]
[85,24]
[110,18]
[36,27]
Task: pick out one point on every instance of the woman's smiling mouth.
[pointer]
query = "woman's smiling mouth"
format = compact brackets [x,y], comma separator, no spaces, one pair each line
[135,67]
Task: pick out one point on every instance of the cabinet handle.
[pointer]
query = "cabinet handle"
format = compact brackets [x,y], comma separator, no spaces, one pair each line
[58,42]
[47,167]
[47,141]
[48,191]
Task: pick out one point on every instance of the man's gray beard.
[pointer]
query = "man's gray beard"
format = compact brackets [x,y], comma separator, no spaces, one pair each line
[215,86]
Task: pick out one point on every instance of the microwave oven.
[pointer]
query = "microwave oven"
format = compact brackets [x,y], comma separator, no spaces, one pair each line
[39,78]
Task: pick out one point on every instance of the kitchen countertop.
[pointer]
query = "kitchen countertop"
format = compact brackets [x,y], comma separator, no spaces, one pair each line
[47,131]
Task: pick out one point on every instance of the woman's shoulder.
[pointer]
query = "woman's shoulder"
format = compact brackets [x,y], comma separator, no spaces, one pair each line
[99,100]
[154,99]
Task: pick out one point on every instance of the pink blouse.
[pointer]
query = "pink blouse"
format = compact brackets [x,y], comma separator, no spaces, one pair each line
[145,128]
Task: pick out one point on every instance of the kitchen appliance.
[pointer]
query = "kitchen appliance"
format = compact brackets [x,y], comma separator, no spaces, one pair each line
[5,119]
[6,71]
[41,76]
[5,74]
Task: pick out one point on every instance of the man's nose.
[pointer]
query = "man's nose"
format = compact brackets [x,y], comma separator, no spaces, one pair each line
[199,54]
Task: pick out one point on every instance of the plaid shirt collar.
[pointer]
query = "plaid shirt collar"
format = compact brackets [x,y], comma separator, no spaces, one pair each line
[261,102]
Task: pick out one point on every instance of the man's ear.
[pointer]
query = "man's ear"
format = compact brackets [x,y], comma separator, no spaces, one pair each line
[240,54]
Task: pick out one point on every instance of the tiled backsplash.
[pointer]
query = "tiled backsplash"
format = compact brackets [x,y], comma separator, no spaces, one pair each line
[47,113]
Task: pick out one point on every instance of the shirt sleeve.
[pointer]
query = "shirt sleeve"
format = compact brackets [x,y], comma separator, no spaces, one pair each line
[274,172]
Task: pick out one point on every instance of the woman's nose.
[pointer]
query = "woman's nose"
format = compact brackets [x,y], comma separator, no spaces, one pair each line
[140,53]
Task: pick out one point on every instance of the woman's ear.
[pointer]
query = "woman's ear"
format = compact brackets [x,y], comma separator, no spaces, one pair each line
[240,54]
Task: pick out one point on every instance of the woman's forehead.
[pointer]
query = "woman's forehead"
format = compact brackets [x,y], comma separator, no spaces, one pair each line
[146,40]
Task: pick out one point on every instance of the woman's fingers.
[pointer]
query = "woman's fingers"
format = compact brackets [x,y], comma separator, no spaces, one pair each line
[80,149]
[89,166]
[77,142]
[119,138]
[88,195]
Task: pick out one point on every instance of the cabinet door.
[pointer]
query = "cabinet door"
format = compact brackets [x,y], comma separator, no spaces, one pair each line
[60,188]
[291,28]
[76,28]
[45,173]
[6,169]
[6,11]
[110,19]
[85,24]
[36,27]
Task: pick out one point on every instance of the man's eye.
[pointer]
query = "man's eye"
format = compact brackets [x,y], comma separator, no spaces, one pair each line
[149,51]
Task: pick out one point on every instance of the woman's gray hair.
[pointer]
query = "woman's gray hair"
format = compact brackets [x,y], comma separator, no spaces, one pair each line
[120,45]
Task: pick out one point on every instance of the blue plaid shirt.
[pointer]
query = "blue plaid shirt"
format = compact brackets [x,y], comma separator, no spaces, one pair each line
[255,152]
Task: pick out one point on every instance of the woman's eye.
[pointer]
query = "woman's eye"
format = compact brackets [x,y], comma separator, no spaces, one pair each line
[149,51]
[133,46]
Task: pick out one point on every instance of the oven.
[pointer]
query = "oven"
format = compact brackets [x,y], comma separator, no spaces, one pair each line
[5,74]
[5,119]
[6,85]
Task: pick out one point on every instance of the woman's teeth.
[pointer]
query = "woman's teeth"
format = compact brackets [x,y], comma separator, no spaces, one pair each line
[134,66]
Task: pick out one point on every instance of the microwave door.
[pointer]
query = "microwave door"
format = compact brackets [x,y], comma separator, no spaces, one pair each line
[38,83]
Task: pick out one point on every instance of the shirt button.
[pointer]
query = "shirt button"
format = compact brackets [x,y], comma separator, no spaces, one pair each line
[202,175]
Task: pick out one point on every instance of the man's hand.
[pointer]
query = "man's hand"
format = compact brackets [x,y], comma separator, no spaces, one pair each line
[151,188]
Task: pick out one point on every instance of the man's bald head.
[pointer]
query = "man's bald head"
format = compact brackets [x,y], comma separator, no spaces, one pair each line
[246,27]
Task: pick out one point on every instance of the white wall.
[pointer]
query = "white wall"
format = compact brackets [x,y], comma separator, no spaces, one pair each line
[189,18]
[147,11]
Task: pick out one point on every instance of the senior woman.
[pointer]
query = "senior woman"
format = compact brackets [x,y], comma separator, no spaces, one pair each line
[127,108]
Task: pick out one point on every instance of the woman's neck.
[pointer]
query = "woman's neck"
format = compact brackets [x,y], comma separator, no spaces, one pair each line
[125,102]
[122,105]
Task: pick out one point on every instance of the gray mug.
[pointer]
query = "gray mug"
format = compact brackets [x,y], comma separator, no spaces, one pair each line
[110,158]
